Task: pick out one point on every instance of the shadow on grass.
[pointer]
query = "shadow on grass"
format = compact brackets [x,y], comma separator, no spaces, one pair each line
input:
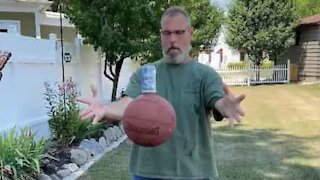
[240,155]
[263,154]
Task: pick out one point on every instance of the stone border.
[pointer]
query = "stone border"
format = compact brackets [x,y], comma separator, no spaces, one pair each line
[88,164]
[86,154]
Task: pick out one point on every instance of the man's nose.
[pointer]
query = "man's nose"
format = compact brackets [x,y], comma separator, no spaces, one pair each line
[172,37]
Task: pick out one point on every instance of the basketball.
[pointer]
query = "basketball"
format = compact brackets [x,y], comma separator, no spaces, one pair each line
[149,120]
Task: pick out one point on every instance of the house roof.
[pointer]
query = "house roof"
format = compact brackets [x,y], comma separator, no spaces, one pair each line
[315,19]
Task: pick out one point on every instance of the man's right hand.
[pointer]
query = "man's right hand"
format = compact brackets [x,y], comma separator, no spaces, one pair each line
[96,109]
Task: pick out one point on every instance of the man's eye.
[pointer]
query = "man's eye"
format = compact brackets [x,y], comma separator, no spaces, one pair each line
[176,32]
[166,33]
[180,32]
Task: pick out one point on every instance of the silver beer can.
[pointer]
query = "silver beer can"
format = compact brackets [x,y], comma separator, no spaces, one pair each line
[148,79]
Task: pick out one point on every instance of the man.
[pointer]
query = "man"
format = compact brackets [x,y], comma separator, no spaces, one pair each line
[194,90]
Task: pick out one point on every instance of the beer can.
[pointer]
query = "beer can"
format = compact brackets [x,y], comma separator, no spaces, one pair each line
[148,79]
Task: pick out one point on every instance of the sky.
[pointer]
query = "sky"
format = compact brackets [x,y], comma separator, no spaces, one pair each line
[221,3]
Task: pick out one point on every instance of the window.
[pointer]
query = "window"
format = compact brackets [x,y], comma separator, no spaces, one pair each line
[9,26]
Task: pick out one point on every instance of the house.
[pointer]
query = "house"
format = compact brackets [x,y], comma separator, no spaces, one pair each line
[221,54]
[32,35]
[305,54]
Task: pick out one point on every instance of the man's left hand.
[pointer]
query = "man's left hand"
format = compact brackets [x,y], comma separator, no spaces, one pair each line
[229,106]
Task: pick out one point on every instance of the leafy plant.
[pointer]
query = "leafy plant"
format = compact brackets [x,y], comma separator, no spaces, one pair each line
[62,110]
[307,8]
[237,65]
[266,64]
[85,129]
[20,154]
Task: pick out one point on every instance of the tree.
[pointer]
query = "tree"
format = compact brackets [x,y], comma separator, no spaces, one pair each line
[122,28]
[206,20]
[118,28]
[307,7]
[261,28]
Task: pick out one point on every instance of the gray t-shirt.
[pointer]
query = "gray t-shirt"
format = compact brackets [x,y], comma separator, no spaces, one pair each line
[192,89]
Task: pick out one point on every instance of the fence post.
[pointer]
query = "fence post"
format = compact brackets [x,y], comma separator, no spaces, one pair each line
[288,71]
[248,73]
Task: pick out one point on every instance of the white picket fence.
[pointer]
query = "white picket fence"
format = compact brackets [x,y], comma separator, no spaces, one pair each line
[252,75]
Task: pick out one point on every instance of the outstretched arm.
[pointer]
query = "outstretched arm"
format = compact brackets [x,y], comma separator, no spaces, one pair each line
[98,111]
[229,106]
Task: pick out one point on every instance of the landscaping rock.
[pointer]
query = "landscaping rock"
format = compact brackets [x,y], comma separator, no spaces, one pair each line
[121,128]
[109,134]
[72,167]
[63,163]
[91,145]
[108,141]
[103,142]
[63,173]
[43,176]
[79,156]
[117,131]
[54,177]
[120,131]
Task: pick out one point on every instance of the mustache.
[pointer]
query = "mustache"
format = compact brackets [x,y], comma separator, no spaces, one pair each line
[172,48]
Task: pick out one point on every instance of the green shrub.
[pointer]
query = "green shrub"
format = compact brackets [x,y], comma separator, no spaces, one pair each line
[267,64]
[63,111]
[243,64]
[237,65]
[64,122]
[85,129]
[20,154]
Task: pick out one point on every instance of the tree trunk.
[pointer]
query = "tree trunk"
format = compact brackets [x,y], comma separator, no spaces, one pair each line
[113,76]
[119,64]
[275,58]
[275,63]
[258,66]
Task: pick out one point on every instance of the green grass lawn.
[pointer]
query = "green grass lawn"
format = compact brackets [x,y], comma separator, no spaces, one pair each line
[279,138]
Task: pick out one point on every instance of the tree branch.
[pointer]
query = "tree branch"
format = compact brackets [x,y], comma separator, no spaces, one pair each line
[105,71]
[111,70]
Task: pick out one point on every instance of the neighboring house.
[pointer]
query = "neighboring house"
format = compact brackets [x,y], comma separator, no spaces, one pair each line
[306,52]
[32,35]
[221,54]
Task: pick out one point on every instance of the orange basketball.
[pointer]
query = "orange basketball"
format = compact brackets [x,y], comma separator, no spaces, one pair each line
[149,120]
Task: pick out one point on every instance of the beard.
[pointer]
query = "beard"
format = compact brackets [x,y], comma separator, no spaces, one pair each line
[179,58]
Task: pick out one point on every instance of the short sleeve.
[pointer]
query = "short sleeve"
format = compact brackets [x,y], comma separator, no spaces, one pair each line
[213,90]
[133,89]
